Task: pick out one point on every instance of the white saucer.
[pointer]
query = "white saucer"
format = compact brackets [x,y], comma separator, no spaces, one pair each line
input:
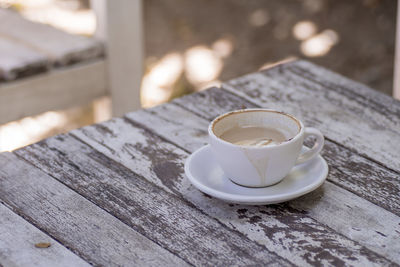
[204,173]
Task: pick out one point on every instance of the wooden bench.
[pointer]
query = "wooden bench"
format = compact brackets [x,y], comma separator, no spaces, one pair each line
[42,68]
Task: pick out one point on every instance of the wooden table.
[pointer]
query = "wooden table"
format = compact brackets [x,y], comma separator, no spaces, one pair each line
[115,193]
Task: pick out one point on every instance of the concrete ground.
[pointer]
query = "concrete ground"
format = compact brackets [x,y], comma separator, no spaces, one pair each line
[359,35]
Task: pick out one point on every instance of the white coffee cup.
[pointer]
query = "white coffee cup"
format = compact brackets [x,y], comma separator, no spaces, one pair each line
[260,166]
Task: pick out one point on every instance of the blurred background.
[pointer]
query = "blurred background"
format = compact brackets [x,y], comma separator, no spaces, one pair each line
[191,45]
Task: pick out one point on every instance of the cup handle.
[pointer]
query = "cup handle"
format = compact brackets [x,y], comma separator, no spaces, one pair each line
[317,147]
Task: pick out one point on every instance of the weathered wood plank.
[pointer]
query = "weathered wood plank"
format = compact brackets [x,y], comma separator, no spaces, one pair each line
[351,89]
[18,60]
[363,177]
[344,116]
[157,160]
[208,103]
[178,132]
[17,244]
[53,90]
[357,174]
[155,213]
[354,217]
[86,229]
[121,141]
[60,47]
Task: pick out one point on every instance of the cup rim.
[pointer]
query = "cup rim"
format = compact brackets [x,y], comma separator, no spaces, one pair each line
[220,117]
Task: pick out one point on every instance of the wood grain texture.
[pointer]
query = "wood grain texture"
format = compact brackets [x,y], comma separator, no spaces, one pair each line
[60,47]
[53,90]
[360,119]
[212,102]
[328,208]
[350,88]
[18,60]
[330,226]
[271,226]
[172,127]
[17,244]
[86,229]
[356,173]
[153,212]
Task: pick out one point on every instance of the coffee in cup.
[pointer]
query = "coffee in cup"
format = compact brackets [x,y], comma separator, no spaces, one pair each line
[253,136]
